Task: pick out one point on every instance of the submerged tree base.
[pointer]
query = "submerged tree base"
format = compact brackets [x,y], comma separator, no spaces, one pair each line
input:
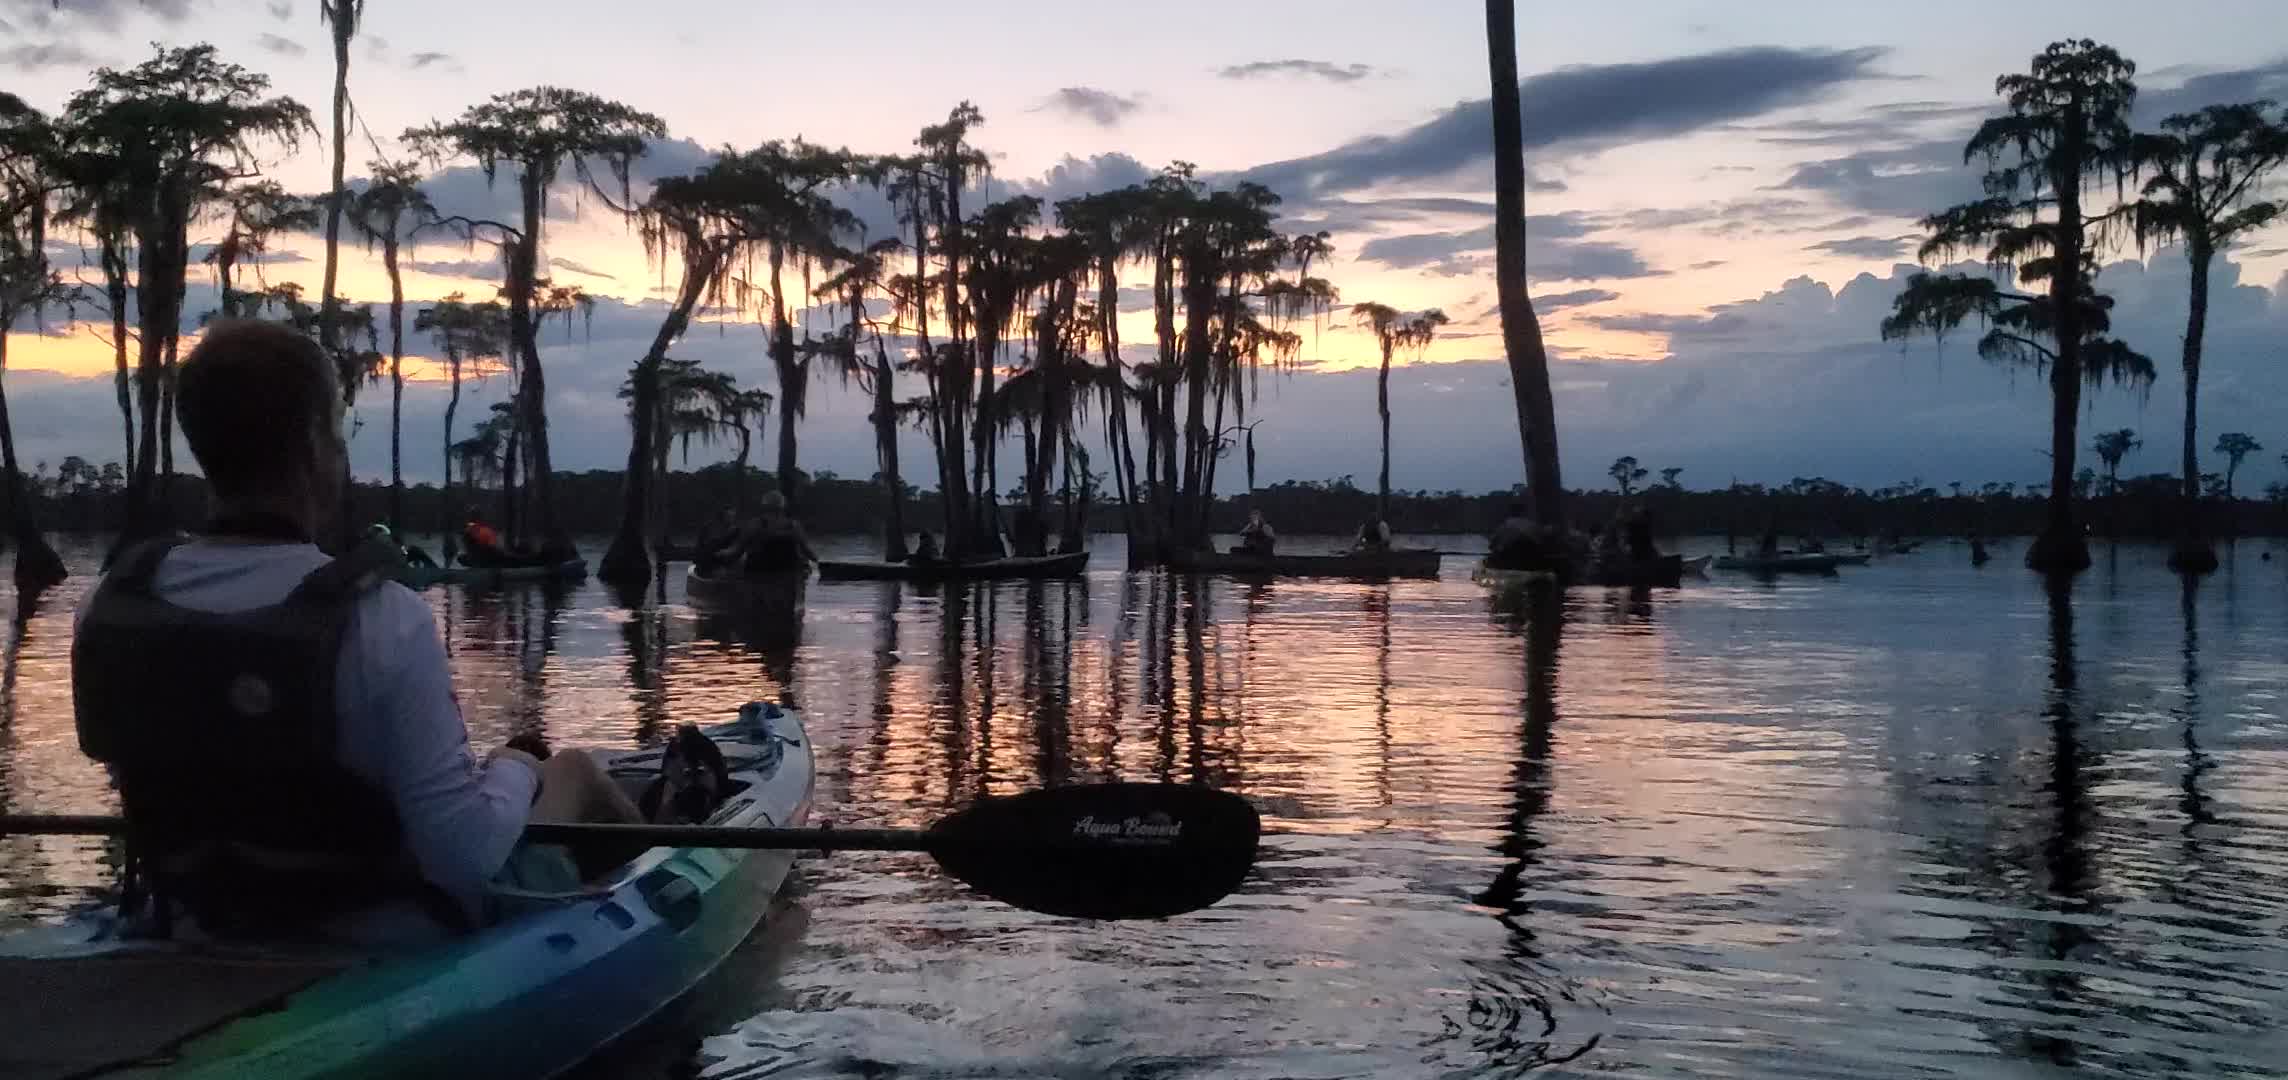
[2193,555]
[625,563]
[2058,553]
[37,565]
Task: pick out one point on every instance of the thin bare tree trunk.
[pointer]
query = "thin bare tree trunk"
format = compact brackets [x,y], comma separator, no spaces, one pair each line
[115,289]
[2192,552]
[2060,548]
[329,306]
[627,562]
[37,565]
[446,525]
[885,443]
[1382,409]
[524,260]
[1521,328]
[396,381]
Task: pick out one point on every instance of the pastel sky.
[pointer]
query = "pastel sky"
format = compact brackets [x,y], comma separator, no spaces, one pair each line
[1724,202]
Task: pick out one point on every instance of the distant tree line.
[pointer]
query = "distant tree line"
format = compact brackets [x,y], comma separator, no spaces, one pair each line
[80,497]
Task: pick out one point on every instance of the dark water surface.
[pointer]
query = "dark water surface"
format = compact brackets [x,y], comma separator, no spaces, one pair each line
[1916,820]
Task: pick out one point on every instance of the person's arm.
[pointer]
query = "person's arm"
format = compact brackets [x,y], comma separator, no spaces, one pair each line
[403,732]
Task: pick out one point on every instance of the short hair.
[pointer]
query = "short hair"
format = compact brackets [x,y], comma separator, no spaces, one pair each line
[248,397]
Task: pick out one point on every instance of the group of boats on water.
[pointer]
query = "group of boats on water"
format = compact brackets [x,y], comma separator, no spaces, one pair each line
[1665,571]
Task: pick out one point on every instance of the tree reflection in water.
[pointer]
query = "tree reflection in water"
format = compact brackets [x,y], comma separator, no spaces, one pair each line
[1511,1022]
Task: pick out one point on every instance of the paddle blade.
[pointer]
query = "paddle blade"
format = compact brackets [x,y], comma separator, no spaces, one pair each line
[1102,851]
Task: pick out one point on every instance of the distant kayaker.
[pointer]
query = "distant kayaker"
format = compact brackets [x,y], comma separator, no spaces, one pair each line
[1636,528]
[479,536]
[716,541]
[1257,537]
[1374,535]
[925,551]
[412,553]
[775,543]
[1769,546]
[1517,543]
[282,727]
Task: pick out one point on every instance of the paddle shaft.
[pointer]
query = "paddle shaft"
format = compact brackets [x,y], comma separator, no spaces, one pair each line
[553,832]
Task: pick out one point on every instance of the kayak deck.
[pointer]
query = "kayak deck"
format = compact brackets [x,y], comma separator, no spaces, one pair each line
[612,953]
[74,1016]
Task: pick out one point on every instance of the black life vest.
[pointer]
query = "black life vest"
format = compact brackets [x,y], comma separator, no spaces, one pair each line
[773,552]
[220,731]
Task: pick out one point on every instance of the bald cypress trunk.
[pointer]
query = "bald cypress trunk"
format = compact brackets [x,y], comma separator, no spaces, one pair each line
[1521,328]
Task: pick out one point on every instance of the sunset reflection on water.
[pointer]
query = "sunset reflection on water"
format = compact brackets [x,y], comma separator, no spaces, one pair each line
[1917,818]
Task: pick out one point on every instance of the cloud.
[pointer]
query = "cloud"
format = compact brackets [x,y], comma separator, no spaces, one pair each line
[1865,247]
[1724,217]
[1591,105]
[486,269]
[1905,181]
[1101,107]
[1642,323]
[562,263]
[1555,302]
[1404,250]
[104,15]
[1071,177]
[31,59]
[420,60]
[1900,172]
[1554,251]
[1317,69]
[281,10]
[197,253]
[272,43]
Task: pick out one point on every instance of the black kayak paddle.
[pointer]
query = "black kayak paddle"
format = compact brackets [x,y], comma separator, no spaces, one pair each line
[1095,851]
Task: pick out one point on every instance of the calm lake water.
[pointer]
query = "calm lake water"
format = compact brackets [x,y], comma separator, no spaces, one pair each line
[1919,819]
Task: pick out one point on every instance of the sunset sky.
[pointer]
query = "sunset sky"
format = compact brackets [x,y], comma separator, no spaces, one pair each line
[1724,200]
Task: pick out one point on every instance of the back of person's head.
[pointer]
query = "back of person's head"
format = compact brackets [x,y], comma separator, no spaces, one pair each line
[259,408]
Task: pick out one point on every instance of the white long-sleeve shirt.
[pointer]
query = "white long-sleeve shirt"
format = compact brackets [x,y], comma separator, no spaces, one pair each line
[401,727]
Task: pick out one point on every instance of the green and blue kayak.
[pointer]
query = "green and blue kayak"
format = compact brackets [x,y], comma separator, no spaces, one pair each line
[558,977]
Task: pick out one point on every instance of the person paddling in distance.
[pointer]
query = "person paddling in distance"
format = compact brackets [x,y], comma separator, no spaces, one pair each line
[1373,536]
[282,727]
[775,543]
[1256,537]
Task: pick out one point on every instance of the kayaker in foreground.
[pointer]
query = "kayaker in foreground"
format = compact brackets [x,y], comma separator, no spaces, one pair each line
[282,726]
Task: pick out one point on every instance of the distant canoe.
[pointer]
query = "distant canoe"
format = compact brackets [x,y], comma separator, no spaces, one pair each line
[1697,566]
[1349,564]
[1666,571]
[1856,558]
[1037,566]
[734,588]
[421,577]
[1786,562]
[1499,580]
